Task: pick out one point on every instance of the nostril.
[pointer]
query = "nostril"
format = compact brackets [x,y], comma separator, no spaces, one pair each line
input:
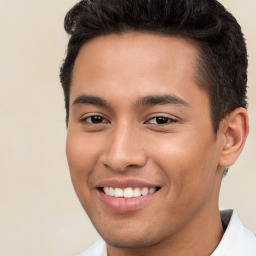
[122,156]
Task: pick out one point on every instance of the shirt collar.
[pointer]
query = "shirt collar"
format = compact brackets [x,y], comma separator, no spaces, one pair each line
[237,240]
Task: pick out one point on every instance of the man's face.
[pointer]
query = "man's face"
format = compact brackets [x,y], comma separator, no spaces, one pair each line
[140,124]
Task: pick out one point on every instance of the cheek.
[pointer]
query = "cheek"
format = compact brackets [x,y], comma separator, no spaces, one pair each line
[187,161]
[81,151]
[81,159]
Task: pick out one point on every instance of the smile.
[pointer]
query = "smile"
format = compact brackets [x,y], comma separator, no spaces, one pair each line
[128,192]
[123,196]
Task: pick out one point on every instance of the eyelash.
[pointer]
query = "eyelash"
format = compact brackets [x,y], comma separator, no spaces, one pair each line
[167,120]
[85,120]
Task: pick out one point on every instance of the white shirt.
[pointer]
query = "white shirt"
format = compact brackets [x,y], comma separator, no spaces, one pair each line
[236,241]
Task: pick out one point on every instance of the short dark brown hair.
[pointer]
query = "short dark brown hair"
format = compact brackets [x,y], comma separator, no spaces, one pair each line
[222,69]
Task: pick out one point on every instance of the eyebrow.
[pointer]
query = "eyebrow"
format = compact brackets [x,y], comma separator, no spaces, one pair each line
[91,100]
[161,100]
[147,100]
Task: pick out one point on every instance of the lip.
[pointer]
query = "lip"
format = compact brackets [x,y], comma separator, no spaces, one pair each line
[115,183]
[125,205]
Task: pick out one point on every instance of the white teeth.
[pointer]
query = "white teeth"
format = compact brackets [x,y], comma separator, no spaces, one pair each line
[106,190]
[119,192]
[152,190]
[111,191]
[144,191]
[136,192]
[128,192]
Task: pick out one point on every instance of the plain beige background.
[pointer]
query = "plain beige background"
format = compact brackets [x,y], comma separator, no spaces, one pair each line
[40,214]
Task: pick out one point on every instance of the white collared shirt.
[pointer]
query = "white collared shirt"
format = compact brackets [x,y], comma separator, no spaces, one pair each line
[236,241]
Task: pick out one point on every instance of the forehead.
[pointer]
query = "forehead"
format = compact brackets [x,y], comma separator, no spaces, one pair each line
[136,41]
[136,64]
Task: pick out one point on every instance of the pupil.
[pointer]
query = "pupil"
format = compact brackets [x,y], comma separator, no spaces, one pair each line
[97,119]
[161,120]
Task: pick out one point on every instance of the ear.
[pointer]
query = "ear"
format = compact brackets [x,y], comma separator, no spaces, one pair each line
[234,130]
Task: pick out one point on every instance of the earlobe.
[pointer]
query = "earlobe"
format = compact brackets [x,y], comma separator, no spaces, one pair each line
[234,130]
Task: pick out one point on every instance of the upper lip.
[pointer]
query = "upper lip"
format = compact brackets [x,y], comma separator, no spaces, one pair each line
[134,183]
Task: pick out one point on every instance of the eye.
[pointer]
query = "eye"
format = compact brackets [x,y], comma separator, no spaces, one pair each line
[94,119]
[161,120]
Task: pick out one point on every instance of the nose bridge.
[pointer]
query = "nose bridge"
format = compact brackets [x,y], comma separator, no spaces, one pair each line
[124,149]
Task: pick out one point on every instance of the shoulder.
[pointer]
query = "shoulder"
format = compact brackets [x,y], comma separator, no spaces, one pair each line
[97,249]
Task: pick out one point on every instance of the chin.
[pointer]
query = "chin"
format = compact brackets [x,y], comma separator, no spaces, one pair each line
[132,243]
[130,239]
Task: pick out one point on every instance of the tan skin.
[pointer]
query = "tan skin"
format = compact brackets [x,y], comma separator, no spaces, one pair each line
[171,144]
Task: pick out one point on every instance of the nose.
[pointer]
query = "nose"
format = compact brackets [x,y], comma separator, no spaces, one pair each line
[124,150]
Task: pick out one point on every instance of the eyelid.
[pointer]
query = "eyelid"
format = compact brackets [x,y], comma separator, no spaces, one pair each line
[171,119]
[90,115]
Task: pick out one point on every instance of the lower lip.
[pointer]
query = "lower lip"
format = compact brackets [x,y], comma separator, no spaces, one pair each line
[124,205]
